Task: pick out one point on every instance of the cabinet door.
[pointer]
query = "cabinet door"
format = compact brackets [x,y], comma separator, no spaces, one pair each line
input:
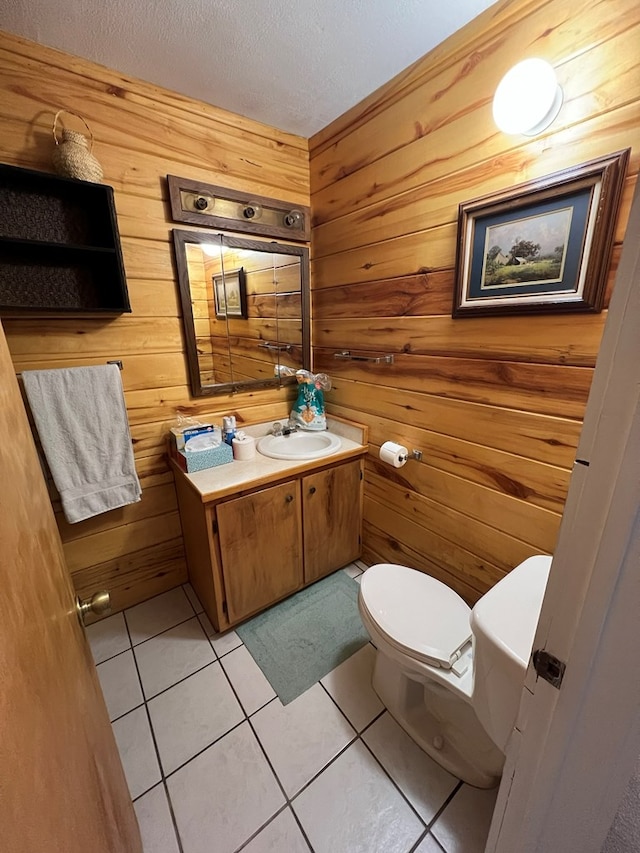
[261,547]
[332,512]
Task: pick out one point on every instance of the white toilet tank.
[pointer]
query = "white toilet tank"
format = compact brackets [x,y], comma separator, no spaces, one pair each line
[504,623]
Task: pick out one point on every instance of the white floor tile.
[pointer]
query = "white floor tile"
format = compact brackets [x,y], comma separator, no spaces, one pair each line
[423,782]
[192,714]
[247,679]
[225,643]
[137,752]
[302,737]
[428,845]
[154,820]
[173,655]
[120,684]
[464,825]
[164,611]
[108,637]
[207,627]
[353,807]
[350,686]
[352,570]
[193,598]
[224,795]
[362,565]
[282,835]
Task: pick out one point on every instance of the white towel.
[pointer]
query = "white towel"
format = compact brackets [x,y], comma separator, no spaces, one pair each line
[82,423]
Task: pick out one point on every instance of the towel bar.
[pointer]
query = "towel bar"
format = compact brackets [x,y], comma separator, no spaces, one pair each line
[115,361]
[346,355]
[278,347]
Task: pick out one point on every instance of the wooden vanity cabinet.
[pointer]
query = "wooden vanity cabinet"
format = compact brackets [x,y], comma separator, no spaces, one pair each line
[332,513]
[248,551]
[260,538]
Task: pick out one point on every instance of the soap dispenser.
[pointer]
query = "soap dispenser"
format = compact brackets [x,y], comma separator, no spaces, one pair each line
[228,429]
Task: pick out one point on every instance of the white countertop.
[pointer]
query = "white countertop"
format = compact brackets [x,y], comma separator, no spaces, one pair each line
[224,480]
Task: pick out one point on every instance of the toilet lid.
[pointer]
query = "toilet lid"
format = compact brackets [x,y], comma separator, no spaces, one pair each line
[416,613]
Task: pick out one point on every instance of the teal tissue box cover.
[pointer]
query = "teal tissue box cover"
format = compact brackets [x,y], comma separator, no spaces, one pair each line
[199,460]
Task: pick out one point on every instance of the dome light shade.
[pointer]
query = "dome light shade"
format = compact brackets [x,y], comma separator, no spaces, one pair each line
[528,98]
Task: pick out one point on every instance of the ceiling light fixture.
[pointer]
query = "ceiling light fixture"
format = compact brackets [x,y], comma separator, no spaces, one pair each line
[528,98]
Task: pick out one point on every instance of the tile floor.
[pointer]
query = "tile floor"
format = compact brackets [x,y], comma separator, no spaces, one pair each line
[216,764]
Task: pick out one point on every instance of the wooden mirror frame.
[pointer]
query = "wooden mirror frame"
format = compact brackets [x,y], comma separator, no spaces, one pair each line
[180,240]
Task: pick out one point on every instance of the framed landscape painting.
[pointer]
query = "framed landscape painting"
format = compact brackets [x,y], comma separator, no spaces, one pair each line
[230,294]
[540,246]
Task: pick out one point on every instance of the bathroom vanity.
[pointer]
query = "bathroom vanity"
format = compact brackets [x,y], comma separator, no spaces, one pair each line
[256,531]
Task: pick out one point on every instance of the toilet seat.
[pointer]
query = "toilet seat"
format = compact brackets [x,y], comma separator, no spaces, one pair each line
[416,614]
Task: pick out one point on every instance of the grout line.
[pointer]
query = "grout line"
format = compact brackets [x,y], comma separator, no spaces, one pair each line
[180,681]
[301,827]
[155,745]
[419,841]
[204,749]
[264,826]
[394,783]
[166,630]
[443,806]
[130,711]
[174,820]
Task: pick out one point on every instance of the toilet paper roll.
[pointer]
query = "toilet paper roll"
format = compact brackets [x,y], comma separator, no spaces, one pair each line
[244,447]
[394,454]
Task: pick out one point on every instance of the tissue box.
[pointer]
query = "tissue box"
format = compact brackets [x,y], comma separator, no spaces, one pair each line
[199,460]
[178,436]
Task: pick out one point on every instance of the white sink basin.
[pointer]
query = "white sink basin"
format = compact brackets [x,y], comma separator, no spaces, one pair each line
[299,445]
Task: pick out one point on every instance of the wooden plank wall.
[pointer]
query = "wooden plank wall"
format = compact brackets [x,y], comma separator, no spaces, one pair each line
[495,404]
[142,133]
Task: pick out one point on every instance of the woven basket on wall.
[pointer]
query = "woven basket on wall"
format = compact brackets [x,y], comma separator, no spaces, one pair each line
[72,156]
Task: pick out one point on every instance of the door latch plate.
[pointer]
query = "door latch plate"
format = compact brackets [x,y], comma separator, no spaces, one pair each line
[549,667]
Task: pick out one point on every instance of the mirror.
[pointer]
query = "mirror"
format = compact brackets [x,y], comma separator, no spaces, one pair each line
[245,307]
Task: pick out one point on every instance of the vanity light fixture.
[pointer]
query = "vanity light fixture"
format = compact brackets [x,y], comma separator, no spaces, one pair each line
[252,210]
[528,98]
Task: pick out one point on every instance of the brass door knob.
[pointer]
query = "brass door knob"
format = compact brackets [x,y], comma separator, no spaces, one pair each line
[99,603]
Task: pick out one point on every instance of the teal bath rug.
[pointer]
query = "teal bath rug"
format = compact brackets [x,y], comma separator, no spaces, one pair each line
[298,641]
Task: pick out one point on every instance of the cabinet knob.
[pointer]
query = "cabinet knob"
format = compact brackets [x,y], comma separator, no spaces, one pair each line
[289,498]
[312,490]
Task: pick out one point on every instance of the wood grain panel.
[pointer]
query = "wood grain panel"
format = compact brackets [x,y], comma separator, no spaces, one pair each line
[549,389]
[495,407]
[479,574]
[145,572]
[514,476]
[111,543]
[560,338]
[141,134]
[382,546]
[534,436]
[407,296]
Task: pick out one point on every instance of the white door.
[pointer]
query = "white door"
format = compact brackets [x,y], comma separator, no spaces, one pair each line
[575,748]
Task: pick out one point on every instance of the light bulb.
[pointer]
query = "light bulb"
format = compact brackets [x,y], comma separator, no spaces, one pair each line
[528,98]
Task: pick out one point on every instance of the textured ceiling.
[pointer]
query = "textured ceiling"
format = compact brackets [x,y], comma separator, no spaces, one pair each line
[293,65]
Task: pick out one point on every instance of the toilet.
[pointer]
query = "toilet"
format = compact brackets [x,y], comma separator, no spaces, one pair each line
[450,675]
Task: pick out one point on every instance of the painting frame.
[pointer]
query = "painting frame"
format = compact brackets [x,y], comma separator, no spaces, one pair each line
[576,209]
[230,294]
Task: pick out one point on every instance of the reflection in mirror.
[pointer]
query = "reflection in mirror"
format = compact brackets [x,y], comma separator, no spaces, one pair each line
[245,308]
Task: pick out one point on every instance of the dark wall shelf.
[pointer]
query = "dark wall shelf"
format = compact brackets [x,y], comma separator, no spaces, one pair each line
[59,245]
